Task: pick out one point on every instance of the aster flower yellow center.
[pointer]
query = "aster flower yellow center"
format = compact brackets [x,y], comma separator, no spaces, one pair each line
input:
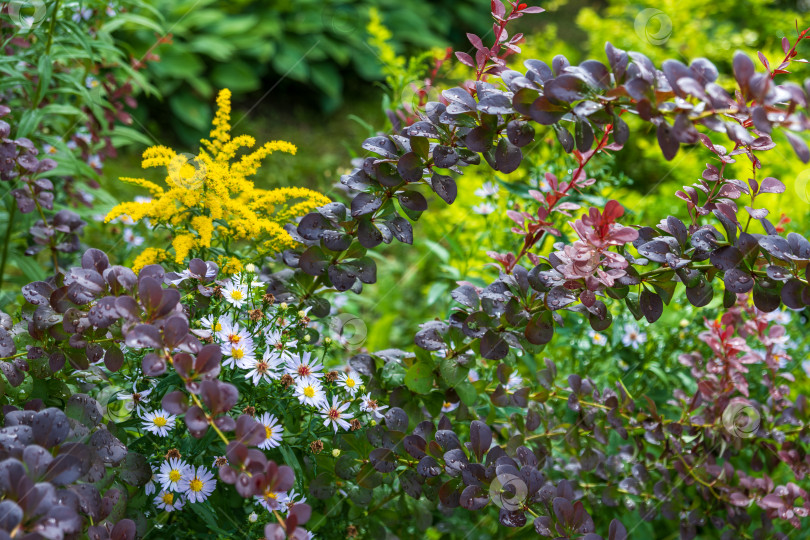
[236,295]
[238,353]
[234,338]
[309,392]
[175,475]
[168,498]
[268,431]
[217,327]
[160,421]
[447,404]
[270,495]
[195,485]
[350,382]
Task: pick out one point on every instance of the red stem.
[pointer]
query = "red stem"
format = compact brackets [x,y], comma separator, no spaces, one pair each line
[791,53]
[532,240]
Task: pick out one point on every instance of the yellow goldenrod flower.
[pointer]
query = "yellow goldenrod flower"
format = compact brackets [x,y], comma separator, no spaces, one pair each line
[147,257]
[209,203]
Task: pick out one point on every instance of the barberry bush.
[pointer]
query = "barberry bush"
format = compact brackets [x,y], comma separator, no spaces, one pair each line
[213,386]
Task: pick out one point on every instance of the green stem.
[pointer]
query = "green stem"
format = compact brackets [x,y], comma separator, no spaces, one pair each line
[52,28]
[6,240]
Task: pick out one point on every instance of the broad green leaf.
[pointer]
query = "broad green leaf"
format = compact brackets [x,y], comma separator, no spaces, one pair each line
[419,378]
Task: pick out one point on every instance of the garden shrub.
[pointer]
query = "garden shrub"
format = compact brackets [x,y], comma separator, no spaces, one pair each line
[67,86]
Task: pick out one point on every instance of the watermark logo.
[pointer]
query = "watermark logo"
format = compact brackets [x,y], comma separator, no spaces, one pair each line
[415,94]
[741,419]
[115,403]
[349,331]
[653,26]
[508,491]
[342,19]
[187,171]
[802,186]
[27,14]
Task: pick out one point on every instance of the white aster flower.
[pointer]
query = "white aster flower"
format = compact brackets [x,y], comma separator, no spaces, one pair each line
[514,381]
[473,376]
[172,472]
[334,414]
[149,488]
[370,405]
[483,209]
[304,366]
[309,392]
[448,406]
[253,517]
[291,499]
[210,324]
[235,294]
[275,339]
[272,429]
[85,136]
[181,277]
[95,161]
[350,382]
[158,422]
[242,354]
[135,400]
[230,332]
[272,500]
[597,338]
[779,317]
[198,484]
[264,369]
[49,149]
[131,238]
[489,189]
[169,501]
[633,336]
[81,14]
